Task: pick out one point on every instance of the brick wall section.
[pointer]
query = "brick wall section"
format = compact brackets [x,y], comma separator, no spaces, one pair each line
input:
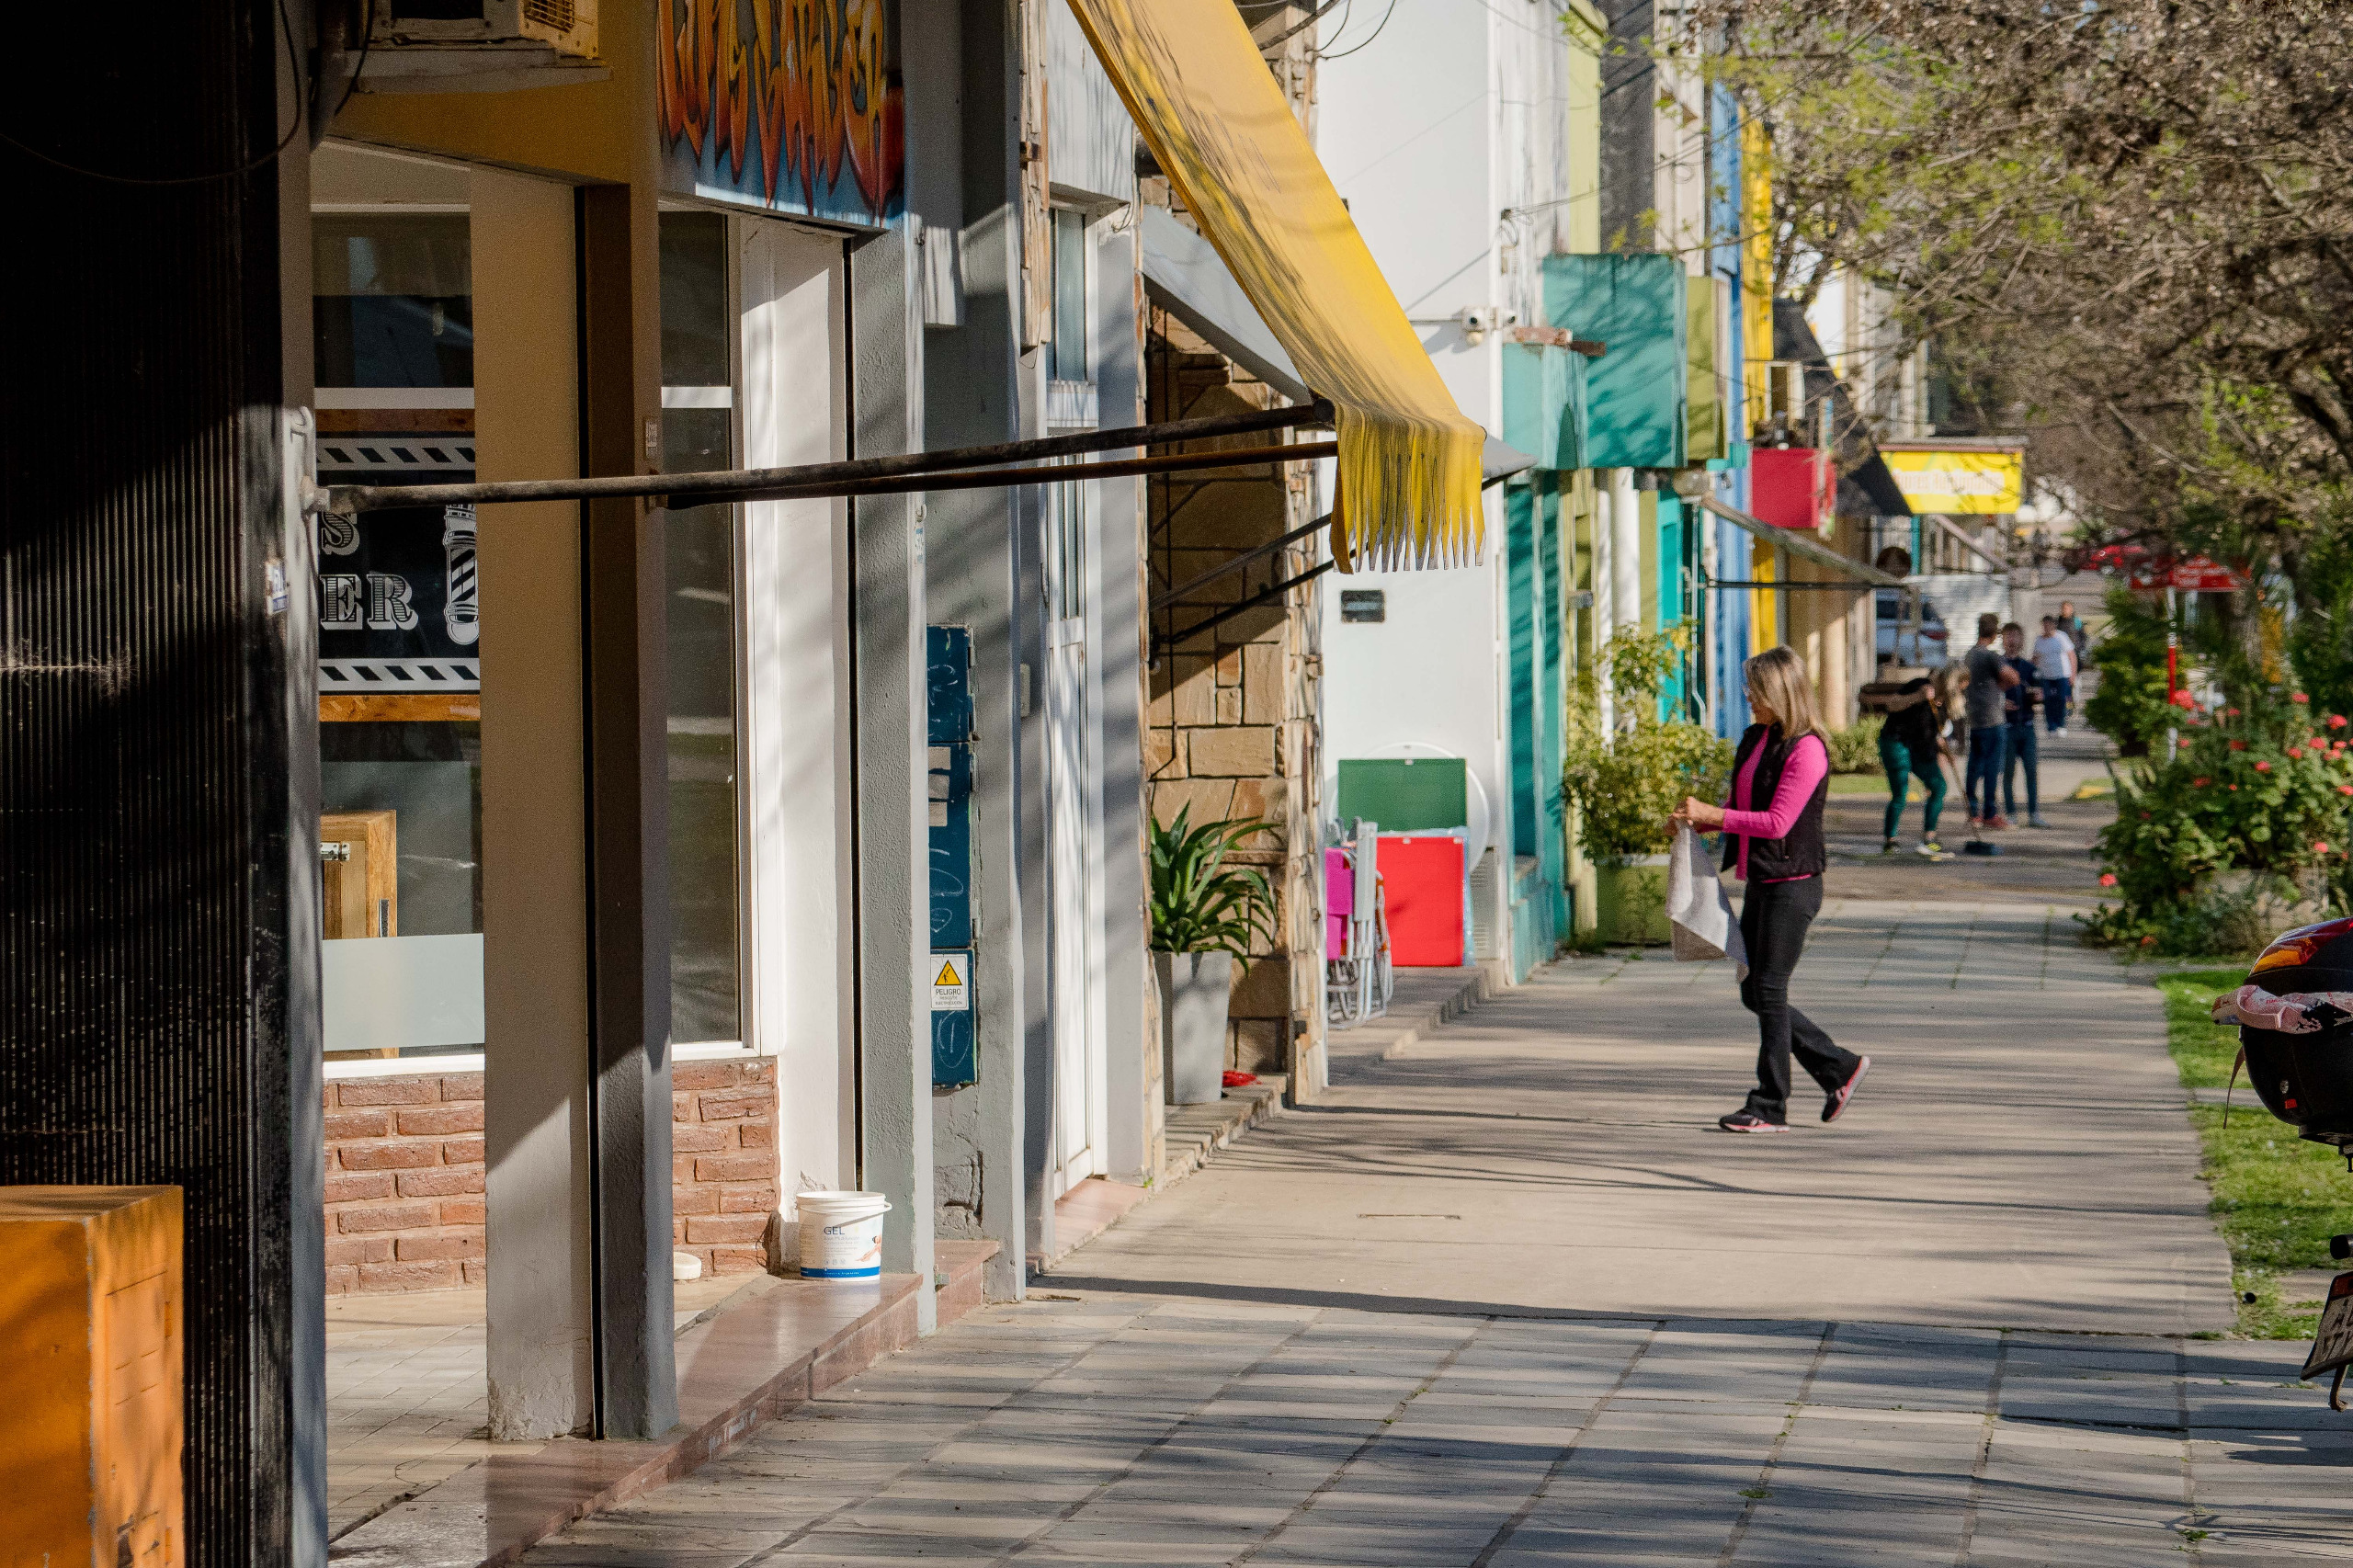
[404,1175]
[723,1187]
[404,1183]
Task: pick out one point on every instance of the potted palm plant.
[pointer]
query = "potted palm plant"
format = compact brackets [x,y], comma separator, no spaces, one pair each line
[1204,916]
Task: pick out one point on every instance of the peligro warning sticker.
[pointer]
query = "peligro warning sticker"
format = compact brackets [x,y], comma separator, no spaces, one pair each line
[952,983]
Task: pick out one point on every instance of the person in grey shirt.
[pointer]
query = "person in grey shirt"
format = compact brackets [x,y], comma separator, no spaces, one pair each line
[1989,677]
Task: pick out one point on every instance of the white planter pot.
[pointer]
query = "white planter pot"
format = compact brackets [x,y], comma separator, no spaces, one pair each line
[1194,991]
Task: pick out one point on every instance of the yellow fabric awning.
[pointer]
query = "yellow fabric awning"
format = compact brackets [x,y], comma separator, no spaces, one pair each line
[1210,111]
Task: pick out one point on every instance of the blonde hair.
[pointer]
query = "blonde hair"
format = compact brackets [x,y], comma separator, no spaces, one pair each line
[1777,676]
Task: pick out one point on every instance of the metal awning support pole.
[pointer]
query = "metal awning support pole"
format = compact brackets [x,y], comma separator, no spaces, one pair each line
[1798,544]
[1163,601]
[1162,645]
[1953,532]
[871,476]
[1791,587]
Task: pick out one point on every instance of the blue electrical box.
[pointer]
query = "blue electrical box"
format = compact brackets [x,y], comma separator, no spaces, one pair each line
[947,658]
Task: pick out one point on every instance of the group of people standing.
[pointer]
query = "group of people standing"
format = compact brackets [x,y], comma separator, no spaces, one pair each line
[1981,710]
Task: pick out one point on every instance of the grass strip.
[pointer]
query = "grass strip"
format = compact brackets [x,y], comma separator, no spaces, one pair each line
[2276,1198]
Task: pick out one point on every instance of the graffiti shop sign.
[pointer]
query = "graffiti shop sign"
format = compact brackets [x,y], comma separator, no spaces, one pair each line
[788,105]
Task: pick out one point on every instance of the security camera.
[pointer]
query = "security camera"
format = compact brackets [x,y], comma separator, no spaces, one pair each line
[1480,320]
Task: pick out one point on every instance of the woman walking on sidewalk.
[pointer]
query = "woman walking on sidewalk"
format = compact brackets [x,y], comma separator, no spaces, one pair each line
[1772,828]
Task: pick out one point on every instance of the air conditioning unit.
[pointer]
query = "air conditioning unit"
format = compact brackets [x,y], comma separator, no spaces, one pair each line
[479,46]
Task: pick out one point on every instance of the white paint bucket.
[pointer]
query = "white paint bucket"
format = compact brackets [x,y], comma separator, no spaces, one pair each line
[841,1234]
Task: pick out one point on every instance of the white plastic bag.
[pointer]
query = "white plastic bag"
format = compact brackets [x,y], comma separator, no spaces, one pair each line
[1698,913]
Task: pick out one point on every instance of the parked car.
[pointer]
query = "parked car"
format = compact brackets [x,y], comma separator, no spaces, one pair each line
[1897,644]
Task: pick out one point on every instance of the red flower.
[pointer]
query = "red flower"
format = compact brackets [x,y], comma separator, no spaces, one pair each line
[2296,752]
[2232,711]
[2319,847]
[2298,696]
[2263,768]
[2337,721]
[2107,879]
[2148,941]
[2181,700]
[2232,787]
[2202,783]
[2238,745]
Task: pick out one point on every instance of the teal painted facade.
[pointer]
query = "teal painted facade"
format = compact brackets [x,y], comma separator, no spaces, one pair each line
[1537,604]
[1637,402]
[1673,578]
[1544,404]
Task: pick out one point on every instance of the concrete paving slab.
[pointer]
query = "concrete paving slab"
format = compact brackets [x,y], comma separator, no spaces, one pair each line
[1503,1299]
[1555,1150]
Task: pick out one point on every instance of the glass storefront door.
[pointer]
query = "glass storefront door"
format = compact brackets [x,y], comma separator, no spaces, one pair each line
[400,681]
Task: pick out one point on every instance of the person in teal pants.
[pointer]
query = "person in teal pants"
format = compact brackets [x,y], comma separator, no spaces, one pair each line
[1909,748]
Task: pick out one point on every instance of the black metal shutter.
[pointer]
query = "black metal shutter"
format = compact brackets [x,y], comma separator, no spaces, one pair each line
[157,941]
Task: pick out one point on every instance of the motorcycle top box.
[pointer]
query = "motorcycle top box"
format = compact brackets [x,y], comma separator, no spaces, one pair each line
[2306,1080]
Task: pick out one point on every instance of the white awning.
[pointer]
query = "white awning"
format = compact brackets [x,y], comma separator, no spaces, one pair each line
[1185,273]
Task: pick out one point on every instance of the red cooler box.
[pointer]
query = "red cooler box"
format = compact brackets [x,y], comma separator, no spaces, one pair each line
[1429,899]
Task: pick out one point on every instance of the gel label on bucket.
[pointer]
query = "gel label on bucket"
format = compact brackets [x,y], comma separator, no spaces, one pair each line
[841,1234]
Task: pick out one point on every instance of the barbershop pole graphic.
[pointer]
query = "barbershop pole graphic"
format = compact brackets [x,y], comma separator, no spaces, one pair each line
[399,601]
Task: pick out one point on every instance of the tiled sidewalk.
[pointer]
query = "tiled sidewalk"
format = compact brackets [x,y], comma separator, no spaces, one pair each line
[1121,1429]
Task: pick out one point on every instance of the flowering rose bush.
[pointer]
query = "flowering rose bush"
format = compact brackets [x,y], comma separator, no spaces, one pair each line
[2260,789]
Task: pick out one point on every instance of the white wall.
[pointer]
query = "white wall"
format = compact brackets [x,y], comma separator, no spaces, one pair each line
[1451,116]
[1090,144]
[1407,128]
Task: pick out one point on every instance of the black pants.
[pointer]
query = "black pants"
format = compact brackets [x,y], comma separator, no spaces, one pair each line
[1773,921]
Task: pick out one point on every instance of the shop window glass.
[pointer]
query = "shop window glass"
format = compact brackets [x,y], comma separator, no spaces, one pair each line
[698,426]
[391,303]
[1070,296]
[400,677]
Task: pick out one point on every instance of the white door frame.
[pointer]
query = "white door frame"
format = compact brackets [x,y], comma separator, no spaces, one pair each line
[797,745]
[1074,827]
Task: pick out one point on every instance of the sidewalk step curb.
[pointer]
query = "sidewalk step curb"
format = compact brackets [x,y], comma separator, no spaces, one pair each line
[1484,986]
[755,1365]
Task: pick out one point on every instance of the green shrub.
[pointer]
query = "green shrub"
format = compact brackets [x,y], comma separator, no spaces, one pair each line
[1855,749]
[1625,791]
[2129,706]
[2209,925]
[2265,787]
[1625,786]
[2320,637]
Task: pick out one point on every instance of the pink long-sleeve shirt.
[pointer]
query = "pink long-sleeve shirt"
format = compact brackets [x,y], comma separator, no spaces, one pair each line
[1808,766]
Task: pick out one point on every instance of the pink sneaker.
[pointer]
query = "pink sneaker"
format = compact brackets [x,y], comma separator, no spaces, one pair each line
[1835,1106]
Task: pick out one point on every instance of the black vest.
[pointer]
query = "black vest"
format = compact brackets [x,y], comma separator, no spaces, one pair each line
[1801,853]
